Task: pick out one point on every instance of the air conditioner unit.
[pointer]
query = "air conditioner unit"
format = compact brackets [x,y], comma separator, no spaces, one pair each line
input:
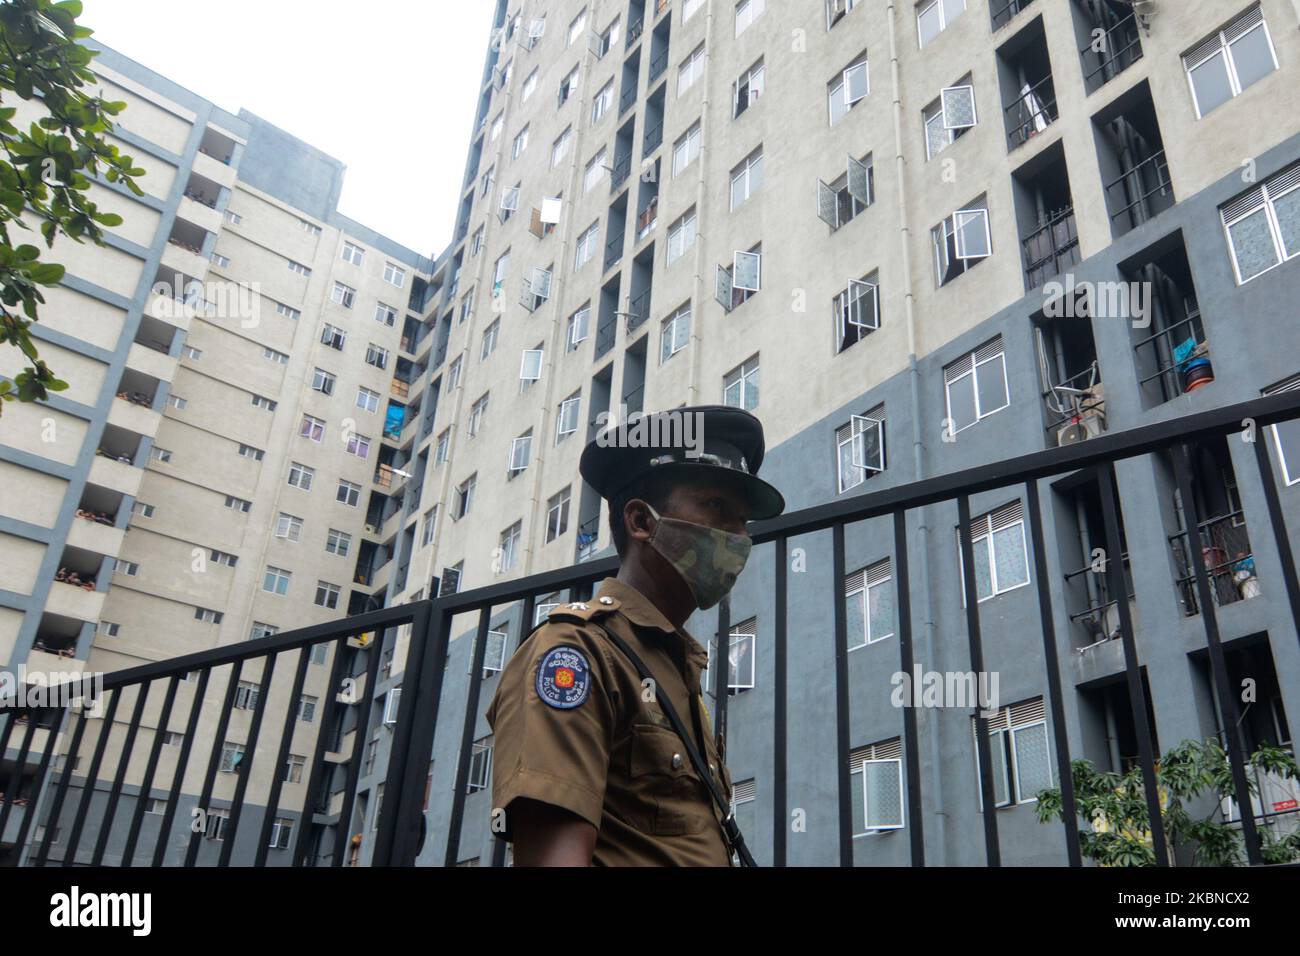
[1087,427]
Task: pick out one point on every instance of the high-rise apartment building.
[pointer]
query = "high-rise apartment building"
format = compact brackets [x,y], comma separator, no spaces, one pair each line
[914,238]
[871,223]
[240,359]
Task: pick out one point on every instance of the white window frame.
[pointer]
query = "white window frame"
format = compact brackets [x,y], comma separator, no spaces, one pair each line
[1269,194]
[897,764]
[980,413]
[863,594]
[747,11]
[923,8]
[746,171]
[690,70]
[569,408]
[1224,49]
[740,376]
[686,149]
[985,536]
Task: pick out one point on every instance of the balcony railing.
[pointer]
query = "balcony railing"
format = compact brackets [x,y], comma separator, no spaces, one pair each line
[1140,193]
[658,65]
[1101,614]
[1224,550]
[622,169]
[1120,48]
[588,538]
[647,219]
[1171,369]
[614,251]
[82,796]
[1032,112]
[638,310]
[1003,12]
[654,137]
[634,33]
[627,100]
[1052,249]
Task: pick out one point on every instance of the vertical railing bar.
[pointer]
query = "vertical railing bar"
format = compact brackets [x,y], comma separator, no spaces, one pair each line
[47,756]
[282,756]
[364,704]
[83,806]
[841,650]
[123,761]
[1052,663]
[780,704]
[214,759]
[61,791]
[250,754]
[722,672]
[1281,536]
[317,776]
[16,778]
[467,738]
[182,764]
[428,679]
[1218,663]
[992,847]
[526,611]
[151,767]
[1137,698]
[907,662]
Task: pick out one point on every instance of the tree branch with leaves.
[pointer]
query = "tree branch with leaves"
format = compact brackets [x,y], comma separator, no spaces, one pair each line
[46,170]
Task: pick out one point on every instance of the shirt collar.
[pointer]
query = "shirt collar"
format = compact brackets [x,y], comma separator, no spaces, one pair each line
[642,612]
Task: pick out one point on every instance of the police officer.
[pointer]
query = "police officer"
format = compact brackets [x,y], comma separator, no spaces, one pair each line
[587,766]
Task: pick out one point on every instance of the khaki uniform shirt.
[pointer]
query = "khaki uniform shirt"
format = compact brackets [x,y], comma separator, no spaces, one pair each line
[584,735]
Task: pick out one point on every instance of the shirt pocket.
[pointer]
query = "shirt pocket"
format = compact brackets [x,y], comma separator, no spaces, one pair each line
[662,776]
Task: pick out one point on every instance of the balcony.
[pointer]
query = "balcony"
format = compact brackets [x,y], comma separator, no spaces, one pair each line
[1051,249]
[1033,110]
[185,258]
[217,170]
[1108,54]
[634,33]
[654,138]
[589,539]
[151,362]
[1004,12]
[400,389]
[647,220]
[101,539]
[133,416]
[1139,194]
[622,169]
[195,210]
[658,65]
[68,600]
[122,477]
[1223,547]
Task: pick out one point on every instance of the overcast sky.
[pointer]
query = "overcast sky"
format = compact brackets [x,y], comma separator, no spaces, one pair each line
[387,86]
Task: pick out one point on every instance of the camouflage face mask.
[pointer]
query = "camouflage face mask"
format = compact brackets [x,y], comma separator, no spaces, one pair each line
[708,559]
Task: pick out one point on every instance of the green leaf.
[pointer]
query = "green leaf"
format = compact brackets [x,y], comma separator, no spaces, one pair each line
[47,273]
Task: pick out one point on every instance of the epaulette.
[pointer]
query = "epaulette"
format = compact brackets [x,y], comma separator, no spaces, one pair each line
[584,611]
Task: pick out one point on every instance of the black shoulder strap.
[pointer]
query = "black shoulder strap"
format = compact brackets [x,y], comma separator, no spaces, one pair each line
[730,830]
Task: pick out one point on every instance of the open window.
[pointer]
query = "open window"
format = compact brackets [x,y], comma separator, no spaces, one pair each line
[857,311]
[958,107]
[520,451]
[867,446]
[537,289]
[545,218]
[736,284]
[509,203]
[973,239]
[530,369]
[842,200]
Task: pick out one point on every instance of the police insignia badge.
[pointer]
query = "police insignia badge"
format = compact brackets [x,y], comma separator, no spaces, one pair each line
[563,678]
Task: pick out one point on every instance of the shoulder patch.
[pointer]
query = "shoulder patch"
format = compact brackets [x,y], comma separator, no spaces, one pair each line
[564,678]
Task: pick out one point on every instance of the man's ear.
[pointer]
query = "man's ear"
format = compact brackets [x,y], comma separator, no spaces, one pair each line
[637,520]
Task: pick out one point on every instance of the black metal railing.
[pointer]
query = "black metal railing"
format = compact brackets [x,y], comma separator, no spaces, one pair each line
[614,250]
[1051,249]
[1169,376]
[634,33]
[627,99]
[1100,614]
[1032,112]
[654,137]
[658,65]
[638,310]
[81,799]
[1140,193]
[1002,13]
[1224,550]
[622,169]
[1107,56]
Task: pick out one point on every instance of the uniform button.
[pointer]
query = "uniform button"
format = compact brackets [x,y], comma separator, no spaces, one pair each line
[677,761]
[606,600]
